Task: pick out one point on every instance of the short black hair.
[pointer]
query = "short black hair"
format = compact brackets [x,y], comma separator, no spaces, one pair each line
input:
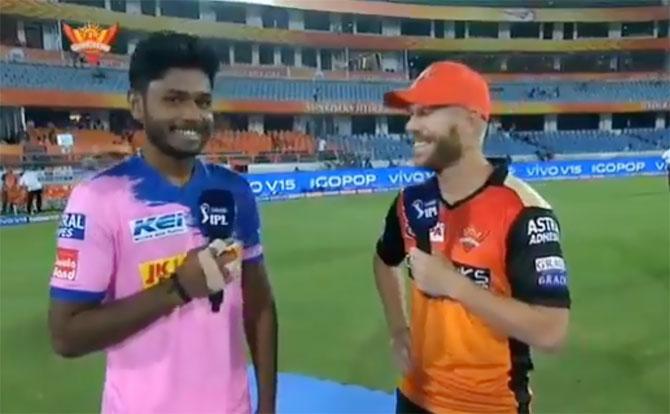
[165,50]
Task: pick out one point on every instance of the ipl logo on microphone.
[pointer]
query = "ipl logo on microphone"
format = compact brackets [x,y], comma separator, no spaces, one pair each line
[214,216]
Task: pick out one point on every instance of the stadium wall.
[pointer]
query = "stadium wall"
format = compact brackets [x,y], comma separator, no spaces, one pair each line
[280,186]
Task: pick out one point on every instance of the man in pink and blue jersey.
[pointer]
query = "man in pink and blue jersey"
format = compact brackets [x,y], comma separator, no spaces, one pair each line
[127,278]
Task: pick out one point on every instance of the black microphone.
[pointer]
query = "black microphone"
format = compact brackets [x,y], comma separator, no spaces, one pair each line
[422,216]
[216,219]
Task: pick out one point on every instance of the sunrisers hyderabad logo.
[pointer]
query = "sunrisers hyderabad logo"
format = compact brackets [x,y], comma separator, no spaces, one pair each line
[91,40]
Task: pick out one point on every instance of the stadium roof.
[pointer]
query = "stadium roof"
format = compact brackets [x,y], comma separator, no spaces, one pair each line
[488,10]
[533,3]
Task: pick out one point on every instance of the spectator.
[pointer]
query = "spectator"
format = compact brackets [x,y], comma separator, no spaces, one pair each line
[31,181]
[11,192]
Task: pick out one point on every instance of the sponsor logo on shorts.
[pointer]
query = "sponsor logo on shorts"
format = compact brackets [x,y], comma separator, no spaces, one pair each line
[159,226]
[542,230]
[67,261]
[72,226]
[154,271]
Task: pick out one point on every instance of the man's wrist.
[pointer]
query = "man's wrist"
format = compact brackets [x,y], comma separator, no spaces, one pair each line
[462,288]
[266,406]
[176,290]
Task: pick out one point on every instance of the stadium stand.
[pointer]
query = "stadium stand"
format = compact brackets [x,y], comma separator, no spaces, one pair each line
[19,75]
[387,147]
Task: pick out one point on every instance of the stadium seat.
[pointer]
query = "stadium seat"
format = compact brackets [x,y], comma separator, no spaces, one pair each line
[35,76]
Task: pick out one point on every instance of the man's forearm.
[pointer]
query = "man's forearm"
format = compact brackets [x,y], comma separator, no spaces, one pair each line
[260,325]
[392,293]
[110,323]
[261,331]
[527,323]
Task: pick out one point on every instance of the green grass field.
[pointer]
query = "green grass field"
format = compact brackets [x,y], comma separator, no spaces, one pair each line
[616,240]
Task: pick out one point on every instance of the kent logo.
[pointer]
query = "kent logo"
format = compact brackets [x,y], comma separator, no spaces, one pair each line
[156,227]
[72,226]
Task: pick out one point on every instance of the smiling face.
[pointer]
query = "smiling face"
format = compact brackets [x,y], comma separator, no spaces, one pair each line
[442,135]
[176,111]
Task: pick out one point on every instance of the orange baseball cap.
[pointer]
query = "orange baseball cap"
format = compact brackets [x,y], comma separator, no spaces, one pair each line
[445,83]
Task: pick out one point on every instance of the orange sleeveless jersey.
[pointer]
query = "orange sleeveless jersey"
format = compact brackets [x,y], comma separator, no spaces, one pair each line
[505,238]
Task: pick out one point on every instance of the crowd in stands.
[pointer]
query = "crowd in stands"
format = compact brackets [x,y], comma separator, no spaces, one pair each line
[90,137]
[22,189]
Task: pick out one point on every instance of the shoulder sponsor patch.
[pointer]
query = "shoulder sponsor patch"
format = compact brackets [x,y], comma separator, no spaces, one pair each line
[542,229]
[551,271]
[158,226]
[72,226]
[67,261]
[437,233]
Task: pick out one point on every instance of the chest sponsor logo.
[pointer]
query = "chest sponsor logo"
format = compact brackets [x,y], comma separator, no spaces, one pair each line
[542,230]
[437,233]
[481,276]
[67,261]
[154,271]
[159,226]
[72,226]
[551,272]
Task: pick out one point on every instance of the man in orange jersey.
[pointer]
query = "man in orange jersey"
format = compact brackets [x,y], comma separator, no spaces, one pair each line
[489,278]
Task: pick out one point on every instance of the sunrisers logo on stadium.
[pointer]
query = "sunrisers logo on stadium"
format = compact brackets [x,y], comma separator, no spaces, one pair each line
[91,40]
[154,271]
[159,226]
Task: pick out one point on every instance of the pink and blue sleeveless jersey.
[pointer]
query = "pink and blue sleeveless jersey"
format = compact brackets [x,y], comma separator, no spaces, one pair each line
[125,229]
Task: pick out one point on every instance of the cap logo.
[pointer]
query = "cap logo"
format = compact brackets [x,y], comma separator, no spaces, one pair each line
[428,72]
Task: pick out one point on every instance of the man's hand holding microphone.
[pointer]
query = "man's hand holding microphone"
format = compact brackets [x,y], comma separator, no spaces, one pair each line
[207,271]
